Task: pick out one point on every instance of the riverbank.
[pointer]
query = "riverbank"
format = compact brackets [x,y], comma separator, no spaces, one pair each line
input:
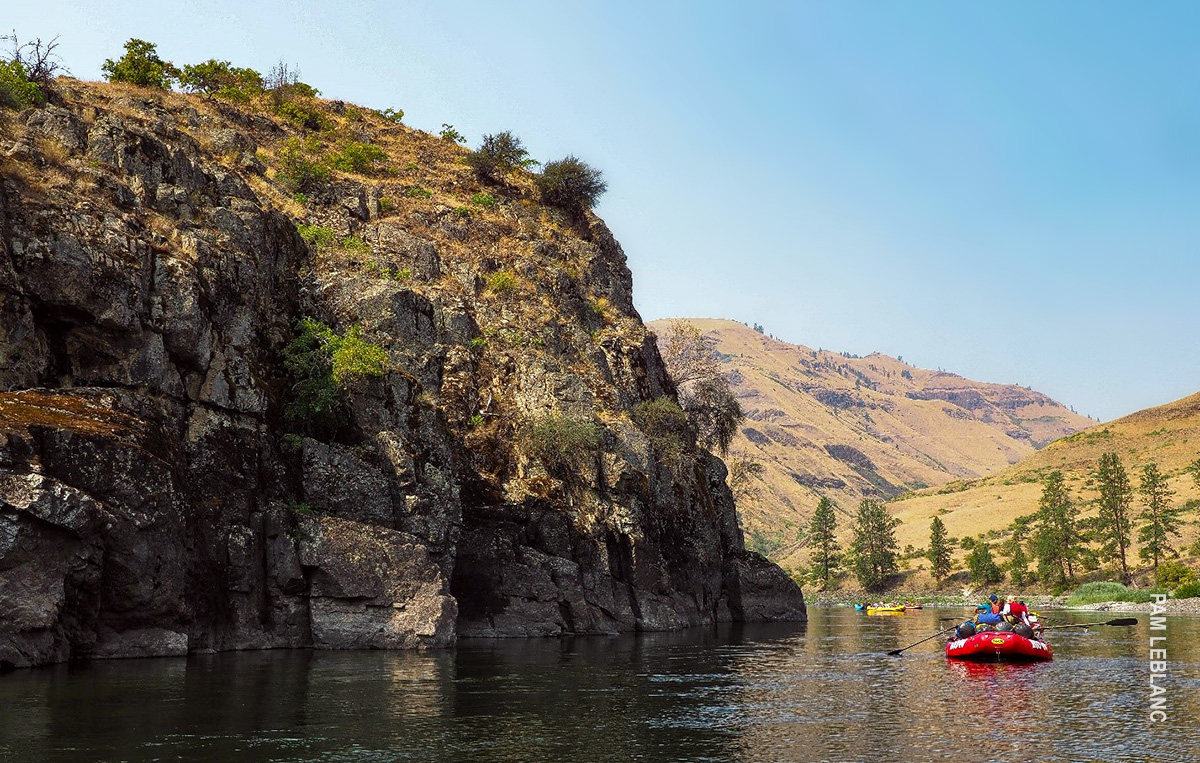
[1189,606]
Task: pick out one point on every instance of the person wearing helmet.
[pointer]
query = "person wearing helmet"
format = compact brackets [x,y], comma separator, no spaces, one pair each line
[989,611]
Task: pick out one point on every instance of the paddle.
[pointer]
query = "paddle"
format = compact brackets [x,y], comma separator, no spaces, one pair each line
[896,652]
[1118,621]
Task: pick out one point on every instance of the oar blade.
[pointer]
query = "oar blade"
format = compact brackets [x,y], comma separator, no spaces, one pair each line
[1123,621]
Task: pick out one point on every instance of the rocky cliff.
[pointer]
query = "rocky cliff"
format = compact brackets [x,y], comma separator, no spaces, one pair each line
[158,496]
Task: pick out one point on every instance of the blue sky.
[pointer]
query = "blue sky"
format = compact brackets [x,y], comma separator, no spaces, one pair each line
[1007,191]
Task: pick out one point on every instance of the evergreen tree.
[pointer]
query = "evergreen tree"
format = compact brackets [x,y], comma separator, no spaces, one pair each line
[982,567]
[1056,536]
[1018,561]
[825,557]
[874,546]
[1018,565]
[939,550]
[1113,518]
[1159,519]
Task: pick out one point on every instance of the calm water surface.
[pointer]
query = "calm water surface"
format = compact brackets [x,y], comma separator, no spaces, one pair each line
[825,691]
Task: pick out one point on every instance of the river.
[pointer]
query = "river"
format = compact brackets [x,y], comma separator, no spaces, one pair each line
[822,691]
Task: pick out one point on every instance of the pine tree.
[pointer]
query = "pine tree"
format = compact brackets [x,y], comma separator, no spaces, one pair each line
[1159,518]
[874,546]
[939,550]
[1113,519]
[825,557]
[1056,536]
[1018,565]
[982,567]
[1018,561]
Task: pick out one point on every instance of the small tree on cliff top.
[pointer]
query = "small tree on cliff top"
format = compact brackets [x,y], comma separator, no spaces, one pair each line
[572,184]
[141,66]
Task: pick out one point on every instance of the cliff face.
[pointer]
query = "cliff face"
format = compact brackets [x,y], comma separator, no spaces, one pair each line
[154,498]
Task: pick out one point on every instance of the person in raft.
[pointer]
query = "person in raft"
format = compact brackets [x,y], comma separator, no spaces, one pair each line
[1023,621]
[989,613]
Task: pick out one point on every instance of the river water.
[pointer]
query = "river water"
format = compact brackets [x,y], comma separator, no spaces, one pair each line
[824,691]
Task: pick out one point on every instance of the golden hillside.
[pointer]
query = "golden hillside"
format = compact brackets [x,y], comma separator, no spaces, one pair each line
[822,422]
[1168,435]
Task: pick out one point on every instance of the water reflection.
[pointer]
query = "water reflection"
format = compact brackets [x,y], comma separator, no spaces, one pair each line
[786,692]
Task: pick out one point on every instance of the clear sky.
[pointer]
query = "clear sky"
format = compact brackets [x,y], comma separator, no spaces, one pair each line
[1009,191]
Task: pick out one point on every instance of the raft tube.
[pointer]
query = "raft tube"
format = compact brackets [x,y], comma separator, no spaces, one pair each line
[998,646]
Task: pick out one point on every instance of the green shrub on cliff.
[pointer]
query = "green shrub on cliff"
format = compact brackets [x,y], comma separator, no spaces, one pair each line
[498,155]
[141,66]
[16,90]
[302,166]
[571,183]
[221,79]
[362,158]
[562,444]
[667,426]
[321,363]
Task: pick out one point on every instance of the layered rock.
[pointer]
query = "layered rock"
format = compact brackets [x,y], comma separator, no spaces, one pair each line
[155,500]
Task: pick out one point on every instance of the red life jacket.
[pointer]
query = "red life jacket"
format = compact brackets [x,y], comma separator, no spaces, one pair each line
[1017,609]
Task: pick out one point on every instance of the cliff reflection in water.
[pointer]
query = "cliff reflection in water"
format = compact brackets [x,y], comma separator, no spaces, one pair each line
[826,691]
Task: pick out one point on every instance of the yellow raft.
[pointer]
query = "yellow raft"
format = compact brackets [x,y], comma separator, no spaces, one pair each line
[893,610]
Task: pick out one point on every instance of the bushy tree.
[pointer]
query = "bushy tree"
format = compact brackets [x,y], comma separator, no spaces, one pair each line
[1159,519]
[141,66]
[26,71]
[939,550]
[873,549]
[825,557]
[16,89]
[744,469]
[498,155]
[704,390]
[38,59]
[571,183]
[1113,510]
[982,567]
[1056,537]
[218,78]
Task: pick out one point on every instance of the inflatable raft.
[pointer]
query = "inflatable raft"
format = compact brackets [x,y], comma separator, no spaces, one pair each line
[999,646]
[896,610]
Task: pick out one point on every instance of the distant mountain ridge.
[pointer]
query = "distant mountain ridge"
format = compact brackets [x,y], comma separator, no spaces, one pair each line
[849,427]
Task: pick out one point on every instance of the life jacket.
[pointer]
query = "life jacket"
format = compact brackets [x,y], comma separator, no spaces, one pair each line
[1017,610]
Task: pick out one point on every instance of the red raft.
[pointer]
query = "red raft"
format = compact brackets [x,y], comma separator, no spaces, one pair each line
[998,646]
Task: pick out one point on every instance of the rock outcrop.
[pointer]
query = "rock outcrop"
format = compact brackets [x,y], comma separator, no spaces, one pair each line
[156,498]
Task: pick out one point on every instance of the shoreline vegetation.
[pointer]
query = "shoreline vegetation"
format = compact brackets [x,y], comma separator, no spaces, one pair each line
[1093,597]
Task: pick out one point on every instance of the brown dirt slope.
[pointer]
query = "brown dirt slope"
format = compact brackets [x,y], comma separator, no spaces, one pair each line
[822,422]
